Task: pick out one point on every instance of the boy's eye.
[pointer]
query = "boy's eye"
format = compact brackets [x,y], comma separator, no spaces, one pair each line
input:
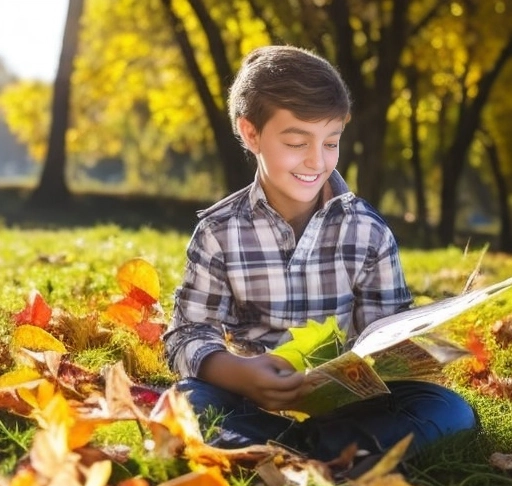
[332,145]
[299,145]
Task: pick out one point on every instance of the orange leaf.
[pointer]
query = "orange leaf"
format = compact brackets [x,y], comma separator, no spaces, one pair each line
[211,477]
[37,312]
[125,315]
[133,482]
[138,280]
[24,477]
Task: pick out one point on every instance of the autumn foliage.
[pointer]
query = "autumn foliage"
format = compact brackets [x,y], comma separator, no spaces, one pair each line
[69,403]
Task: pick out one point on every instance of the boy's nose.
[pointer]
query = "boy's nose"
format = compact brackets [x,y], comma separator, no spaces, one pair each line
[315,158]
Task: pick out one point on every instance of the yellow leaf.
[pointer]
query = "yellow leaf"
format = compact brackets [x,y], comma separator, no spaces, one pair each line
[139,279]
[36,339]
[24,477]
[99,473]
[20,376]
[40,398]
[387,464]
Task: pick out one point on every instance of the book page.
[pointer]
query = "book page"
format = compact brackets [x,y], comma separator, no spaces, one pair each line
[342,380]
[391,330]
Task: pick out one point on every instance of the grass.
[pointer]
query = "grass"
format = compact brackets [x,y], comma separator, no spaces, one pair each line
[75,271]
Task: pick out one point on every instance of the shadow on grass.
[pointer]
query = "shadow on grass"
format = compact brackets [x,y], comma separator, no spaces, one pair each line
[459,460]
[127,211]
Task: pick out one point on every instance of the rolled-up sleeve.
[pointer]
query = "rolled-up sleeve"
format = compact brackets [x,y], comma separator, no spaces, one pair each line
[202,305]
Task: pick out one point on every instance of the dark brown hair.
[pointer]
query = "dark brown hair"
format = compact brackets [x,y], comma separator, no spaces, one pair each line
[287,77]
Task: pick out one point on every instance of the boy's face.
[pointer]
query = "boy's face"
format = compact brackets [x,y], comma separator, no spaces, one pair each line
[295,158]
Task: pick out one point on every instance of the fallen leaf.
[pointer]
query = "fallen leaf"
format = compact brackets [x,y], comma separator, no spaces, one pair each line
[476,346]
[134,482]
[98,473]
[211,477]
[36,312]
[14,382]
[138,279]
[123,313]
[502,330]
[501,461]
[385,466]
[149,332]
[24,477]
[35,339]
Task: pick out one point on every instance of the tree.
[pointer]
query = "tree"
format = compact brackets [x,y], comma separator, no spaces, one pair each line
[468,122]
[237,174]
[52,188]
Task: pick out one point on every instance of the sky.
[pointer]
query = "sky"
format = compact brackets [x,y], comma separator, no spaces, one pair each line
[31,34]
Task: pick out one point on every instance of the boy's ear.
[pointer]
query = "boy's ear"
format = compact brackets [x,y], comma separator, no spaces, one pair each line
[248,134]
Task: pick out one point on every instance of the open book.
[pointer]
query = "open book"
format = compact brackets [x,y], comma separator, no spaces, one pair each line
[401,346]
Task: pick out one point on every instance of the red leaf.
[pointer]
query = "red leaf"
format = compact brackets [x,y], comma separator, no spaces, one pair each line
[141,297]
[144,396]
[476,346]
[37,312]
[149,332]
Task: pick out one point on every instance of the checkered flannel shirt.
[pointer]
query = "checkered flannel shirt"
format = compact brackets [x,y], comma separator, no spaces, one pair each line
[246,274]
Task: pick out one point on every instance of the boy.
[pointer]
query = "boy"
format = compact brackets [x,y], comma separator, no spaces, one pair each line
[294,245]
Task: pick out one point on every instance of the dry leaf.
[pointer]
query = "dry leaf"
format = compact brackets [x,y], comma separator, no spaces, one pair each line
[501,461]
[210,477]
[134,482]
[379,473]
[98,474]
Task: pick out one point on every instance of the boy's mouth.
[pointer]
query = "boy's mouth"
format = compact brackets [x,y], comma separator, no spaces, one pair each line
[306,178]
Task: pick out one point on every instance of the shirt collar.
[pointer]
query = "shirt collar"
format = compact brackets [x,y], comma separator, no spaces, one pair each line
[333,189]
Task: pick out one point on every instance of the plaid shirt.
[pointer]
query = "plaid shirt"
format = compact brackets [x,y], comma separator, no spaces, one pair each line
[247,275]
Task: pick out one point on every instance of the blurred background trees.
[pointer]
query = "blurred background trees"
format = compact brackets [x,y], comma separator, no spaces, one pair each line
[428,142]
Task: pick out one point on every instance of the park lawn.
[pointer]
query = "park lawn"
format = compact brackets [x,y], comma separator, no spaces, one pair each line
[75,272]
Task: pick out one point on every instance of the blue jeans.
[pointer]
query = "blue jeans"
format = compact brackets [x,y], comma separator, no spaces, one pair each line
[429,411]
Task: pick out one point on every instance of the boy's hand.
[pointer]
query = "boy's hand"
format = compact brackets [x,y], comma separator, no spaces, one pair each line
[269,381]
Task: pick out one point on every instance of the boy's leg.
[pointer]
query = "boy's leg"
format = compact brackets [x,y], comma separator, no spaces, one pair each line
[242,423]
[427,410]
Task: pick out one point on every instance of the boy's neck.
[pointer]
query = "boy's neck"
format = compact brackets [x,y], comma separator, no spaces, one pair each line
[301,220]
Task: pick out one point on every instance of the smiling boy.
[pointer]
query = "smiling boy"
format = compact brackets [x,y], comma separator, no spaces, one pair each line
[294,245]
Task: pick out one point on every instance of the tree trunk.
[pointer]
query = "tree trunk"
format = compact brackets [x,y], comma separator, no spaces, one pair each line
[505,239]
[421,202]
[53,189]
[371,101]
[237,171]
[453,161]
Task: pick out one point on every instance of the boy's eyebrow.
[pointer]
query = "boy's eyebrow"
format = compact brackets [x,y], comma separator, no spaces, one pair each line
[301,131]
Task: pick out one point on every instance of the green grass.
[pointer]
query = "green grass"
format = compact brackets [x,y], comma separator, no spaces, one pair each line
[75,271]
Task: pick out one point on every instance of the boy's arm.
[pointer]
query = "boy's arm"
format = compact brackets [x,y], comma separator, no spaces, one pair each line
[202,304]
[195,343]
[380,289]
